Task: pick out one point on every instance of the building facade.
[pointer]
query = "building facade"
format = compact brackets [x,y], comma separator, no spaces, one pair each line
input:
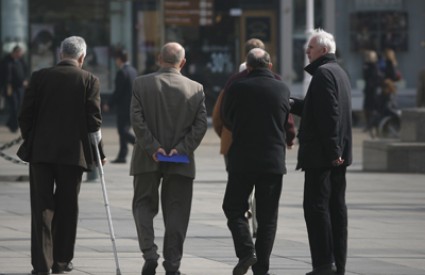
[213,33]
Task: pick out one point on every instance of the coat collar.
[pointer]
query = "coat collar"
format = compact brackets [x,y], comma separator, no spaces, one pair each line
[312,67]
[68,62]
[169,70]
[261,72]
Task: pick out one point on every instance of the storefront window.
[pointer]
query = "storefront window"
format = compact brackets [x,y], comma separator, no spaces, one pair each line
[208,36]
[377,30]
[51,21]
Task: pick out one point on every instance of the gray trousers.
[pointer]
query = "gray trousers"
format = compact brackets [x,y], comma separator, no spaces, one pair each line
[176,201]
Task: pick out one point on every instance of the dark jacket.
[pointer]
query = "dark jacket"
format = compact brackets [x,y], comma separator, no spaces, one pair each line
[64,101]
[325,128]
[12,72]
[121,98]
[256,109]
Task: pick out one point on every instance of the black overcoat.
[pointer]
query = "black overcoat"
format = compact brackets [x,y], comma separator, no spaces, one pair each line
[325,129]
[256,109]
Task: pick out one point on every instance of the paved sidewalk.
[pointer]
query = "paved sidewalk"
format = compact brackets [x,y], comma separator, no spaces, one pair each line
[386,220]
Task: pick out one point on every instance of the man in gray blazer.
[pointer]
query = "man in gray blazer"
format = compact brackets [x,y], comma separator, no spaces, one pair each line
[168,116]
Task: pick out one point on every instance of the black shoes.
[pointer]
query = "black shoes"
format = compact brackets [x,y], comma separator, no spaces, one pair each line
[119,161]
[244,264]
[173,273]
[321,272]
[60,268]
[149,267]
[33,272]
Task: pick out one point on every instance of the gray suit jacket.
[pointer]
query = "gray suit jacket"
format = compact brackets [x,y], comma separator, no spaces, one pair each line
[168,111]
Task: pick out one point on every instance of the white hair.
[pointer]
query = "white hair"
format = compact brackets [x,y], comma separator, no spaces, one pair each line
[324,39]
[73,47]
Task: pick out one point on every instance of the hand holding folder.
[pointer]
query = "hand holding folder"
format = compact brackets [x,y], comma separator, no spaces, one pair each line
[174,158]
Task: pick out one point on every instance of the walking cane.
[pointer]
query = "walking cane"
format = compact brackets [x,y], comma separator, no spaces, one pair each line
[105,198]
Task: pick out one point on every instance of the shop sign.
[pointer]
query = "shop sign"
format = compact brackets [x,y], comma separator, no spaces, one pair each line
[188,12]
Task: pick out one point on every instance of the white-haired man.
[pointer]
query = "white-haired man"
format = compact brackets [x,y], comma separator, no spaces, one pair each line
[324,153]
[59,111]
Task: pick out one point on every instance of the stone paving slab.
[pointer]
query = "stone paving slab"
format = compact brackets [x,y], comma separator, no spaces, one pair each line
[386,220]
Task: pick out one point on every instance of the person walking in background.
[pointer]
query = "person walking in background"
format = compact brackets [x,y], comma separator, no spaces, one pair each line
[325,151]
[169,118]
[60,110]
[373,78]
[390,70]
[121,99]
[13,81]
[255,109]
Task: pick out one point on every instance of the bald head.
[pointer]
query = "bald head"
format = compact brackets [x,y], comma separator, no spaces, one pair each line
[172,55]
[257,59]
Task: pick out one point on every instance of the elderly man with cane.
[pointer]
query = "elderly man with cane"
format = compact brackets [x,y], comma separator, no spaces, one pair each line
[60,111]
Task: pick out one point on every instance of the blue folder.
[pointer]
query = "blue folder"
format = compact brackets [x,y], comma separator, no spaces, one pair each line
[173,158]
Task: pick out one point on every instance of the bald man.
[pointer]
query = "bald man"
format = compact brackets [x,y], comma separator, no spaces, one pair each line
[168,116]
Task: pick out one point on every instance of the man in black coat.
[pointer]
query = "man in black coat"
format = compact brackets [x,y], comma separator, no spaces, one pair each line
[121,99]
[255,109]
[60,110]
[325,151]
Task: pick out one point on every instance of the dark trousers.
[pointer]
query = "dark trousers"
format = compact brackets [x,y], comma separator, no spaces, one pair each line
[125,136]
[268,188]
[13,103]
[176,202]
[325,214]
[54,193]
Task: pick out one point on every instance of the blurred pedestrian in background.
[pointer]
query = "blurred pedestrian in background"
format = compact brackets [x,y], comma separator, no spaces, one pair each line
[325,151]
[120,100]
[169,117]
[255,109]
[390,69]
[373,79]
[60,110]
[13,81]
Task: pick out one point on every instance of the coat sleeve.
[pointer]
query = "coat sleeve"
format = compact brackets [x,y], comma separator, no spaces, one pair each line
[327,114]
[93,112]
[297,107]
[28,108]
[216,115]
[290,130]
[145,139]
[193,138]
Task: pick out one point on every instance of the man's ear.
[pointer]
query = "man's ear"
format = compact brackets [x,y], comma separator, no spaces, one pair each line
[270,65]
[182,63]
[81,59]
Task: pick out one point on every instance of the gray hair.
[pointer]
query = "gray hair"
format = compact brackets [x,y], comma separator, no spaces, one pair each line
[172,53]
[258,58]
[324,39]
[73,47]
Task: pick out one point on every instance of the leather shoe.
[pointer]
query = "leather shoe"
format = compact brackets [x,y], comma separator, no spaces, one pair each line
[119,161]
[173,273]
[244,264]
[327,271]
[149,267]
[60,268]
[34,272]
